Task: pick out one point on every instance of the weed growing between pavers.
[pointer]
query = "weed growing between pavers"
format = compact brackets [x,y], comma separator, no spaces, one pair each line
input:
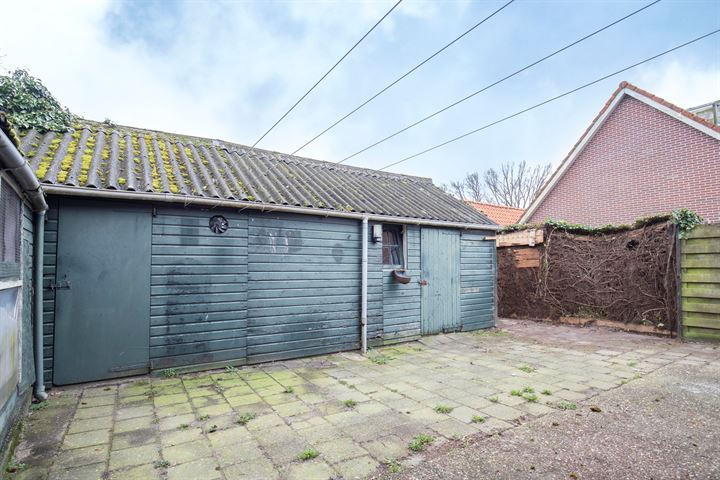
[204,417]
[350,403]
[38,406]
[168,373]
[546,392]
[419,442]
[393,465]
[231,369]
[161,464]
[380,359]
[289,389]
[245,418]
[494,399]
[443,409]
[213,429]
[565,405]
[308,454]
[478,419]
[13,466]
[526,368]
[183,426]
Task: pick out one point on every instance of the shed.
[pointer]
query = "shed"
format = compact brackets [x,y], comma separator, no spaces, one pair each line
[168,251]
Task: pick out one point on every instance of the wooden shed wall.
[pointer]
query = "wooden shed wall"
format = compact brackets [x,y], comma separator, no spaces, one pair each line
[477,281]
[700,283]
[277,286]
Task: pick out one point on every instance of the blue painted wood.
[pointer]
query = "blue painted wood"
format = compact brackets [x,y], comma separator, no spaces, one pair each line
[49,264]
[26,331]
[198,311]
[101,319]
[477,280]
[304,286]
[401,303]
[440,256]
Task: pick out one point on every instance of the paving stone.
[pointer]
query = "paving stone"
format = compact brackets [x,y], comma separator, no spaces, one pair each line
[133,456]
[387,447]
[172,423]
[140,472]
[286,452]
[340,449]
[244,400]
[187,452]
[134,438]
[99,423]
[503,412]
[133,412]
[205,468]
[86,439]
[230,436]
[238,453]
[345,418]
[94,412]
[258,469]
[272,435]
[357,468]
[82,456]
[162,400]
[172,410]
[87,472]
[311,470]
[131,424]
[215,410]
[178,436]
[96,401]
[452,428]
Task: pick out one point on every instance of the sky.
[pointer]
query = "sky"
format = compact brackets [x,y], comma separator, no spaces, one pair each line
[229,70]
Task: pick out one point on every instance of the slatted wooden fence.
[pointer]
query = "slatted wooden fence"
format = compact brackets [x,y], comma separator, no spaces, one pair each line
[700,283]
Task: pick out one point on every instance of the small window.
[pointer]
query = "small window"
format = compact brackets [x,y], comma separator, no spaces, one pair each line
[10,231]
[392,246]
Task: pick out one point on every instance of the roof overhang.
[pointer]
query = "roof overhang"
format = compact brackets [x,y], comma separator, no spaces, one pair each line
[187,201]
[595,126]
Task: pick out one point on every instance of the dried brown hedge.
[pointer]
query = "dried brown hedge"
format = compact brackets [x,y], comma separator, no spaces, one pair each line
[626,276]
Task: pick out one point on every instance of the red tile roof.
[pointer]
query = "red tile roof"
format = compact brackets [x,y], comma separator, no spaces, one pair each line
[500,214]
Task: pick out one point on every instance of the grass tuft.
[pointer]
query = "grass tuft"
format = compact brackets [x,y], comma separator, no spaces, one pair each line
[420,441]
[443,409]
[308,454]
[245,418]
[350,403]
[526,368]
[478,419]
[393,465]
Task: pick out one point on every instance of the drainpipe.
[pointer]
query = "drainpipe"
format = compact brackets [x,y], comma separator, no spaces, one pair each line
[363,296]
[13,163]
[38,253]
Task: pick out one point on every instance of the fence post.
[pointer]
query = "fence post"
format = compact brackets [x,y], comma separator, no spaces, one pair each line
[678,282]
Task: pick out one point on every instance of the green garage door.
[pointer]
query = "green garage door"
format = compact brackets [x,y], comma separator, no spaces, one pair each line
[102,287]
[440,260]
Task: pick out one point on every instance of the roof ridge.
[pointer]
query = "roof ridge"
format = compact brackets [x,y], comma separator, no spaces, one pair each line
[232,147]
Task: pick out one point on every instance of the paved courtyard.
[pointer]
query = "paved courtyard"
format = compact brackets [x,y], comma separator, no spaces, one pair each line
[337,416]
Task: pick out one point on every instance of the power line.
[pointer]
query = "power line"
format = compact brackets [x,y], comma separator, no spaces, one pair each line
[497,82]
[383,90]
[548,100]
[327,73]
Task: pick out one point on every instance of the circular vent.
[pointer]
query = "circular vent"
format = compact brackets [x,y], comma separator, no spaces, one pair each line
[218,224]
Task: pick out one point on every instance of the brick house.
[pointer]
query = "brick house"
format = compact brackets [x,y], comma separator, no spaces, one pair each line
[500,214]
[640,156]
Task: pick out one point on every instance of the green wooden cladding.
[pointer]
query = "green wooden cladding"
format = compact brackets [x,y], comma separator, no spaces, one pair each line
[278,286]
[700,283]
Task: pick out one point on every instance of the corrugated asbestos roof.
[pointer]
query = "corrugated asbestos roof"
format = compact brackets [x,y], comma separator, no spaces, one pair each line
[109,157]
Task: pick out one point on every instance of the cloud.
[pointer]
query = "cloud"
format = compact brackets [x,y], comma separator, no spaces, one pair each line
[686,84]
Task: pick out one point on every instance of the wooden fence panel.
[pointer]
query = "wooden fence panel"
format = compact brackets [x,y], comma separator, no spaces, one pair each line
[700,283]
